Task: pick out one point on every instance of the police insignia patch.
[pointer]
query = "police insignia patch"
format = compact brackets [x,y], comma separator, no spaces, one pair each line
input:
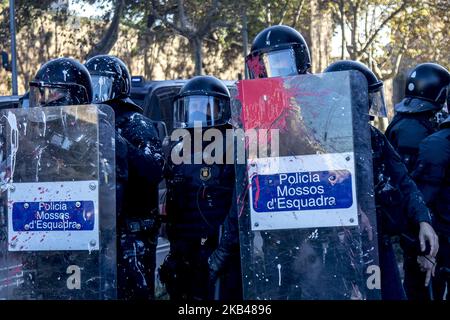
[205,173]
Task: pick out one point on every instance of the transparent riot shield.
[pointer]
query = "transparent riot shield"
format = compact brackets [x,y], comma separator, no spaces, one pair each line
[57,219]
[305,188]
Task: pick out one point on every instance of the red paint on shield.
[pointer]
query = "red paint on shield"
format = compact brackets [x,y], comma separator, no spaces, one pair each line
[256,67]
[264,103]
[257,192]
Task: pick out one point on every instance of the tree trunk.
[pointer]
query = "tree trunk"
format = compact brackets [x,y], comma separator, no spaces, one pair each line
[244,37]
[320,35]
[111,34]
[354,50]
[342,22]
[196,45]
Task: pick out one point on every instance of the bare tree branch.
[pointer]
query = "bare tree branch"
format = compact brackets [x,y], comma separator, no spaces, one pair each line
[283,12]
[111,34]
[298,13]
[380,27]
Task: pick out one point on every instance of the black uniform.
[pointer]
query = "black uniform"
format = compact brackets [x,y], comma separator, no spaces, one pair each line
[139,164]
[400,206]
[432,174]
[405,133]
[139,170]
[198,201]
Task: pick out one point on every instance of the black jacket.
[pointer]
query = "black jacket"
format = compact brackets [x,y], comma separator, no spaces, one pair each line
[397,197]
[407,130]
[139,161]
[198,195]
[432,175]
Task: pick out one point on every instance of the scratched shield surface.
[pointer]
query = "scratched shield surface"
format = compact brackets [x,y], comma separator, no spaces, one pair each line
[57,219]
[303,184]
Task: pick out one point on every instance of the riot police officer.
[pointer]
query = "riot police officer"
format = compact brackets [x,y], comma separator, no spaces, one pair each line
[199,196]
[139,164]
[415,119]
[58,151]
[395,191]
[432,176]
[278,51]
[425,94]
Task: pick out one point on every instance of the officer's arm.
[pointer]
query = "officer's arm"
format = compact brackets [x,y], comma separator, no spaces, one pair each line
[145,152]
[432,162]
[417,210]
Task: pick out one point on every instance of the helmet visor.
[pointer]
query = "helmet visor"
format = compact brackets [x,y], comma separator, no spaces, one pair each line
[50,94]
[102,88]
[285,60]
[280,63]
[377,105]
[207,111]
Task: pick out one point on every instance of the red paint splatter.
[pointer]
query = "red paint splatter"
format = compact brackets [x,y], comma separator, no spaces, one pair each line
[257,192]
[13,238]
[264,102]
[256,67]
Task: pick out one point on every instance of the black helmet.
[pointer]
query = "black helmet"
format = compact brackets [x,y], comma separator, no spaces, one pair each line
[61,82]
[205,99]
[110,78]
[428,81]
[278,51]
[377,105]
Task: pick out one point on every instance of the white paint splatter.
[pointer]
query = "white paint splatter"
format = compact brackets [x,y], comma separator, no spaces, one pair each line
[279,274]
[38,161]
[14,141]
[65,75]
[137,266]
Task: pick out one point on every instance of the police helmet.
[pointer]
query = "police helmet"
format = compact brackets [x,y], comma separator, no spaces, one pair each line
[110,78]
[202,100]
[428,81]
[377,105]
[61,82]
[278,51]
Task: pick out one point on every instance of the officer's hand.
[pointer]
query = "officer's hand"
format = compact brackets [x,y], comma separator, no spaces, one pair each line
[427,234]
[427,264]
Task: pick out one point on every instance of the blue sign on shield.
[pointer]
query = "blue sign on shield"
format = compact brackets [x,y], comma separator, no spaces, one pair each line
[53,216]
[297,191]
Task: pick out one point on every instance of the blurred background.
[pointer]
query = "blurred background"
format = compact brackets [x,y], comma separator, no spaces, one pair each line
[177,39]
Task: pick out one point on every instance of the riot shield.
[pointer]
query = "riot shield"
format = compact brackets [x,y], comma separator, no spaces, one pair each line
[58,220]
[304,186]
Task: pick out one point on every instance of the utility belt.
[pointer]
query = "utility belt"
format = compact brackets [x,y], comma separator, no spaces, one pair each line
[153,223]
